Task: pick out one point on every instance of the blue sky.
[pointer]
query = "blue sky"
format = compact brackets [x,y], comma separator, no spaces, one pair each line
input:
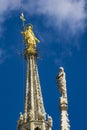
[62,29]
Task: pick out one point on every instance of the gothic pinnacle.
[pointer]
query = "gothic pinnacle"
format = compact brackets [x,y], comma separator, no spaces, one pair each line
[61,79]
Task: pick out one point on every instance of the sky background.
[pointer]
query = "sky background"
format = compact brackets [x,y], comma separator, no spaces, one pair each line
[61,27]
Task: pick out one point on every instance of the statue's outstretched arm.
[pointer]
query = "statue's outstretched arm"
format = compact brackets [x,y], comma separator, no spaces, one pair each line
[23,33]
[37,40]
[60,74]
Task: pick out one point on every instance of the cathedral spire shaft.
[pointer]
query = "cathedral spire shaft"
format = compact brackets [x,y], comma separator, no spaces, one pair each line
[33,96]
[29,85]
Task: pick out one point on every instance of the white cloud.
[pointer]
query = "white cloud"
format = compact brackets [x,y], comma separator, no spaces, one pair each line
[60,13]
[69,13]
[5,7]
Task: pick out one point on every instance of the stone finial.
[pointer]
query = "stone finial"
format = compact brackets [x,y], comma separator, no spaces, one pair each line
[50,121]
[21,116]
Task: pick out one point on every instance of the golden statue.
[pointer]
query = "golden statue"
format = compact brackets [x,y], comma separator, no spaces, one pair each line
[30,39]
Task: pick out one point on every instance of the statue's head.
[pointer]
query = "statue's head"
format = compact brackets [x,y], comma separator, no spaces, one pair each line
[30,26]
[61,69]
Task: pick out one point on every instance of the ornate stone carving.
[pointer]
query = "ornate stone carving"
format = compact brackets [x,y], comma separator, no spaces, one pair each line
[25,117]
[50,122]
[41,116]
[63,103]
[37,127]
[30,115]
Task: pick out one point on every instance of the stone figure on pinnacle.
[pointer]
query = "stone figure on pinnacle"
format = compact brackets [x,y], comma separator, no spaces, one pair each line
[62,82]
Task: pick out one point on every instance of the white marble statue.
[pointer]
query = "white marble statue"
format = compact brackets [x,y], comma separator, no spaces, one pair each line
[62,82]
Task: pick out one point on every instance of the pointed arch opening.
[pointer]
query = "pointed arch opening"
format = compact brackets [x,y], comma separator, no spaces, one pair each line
[37,128]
